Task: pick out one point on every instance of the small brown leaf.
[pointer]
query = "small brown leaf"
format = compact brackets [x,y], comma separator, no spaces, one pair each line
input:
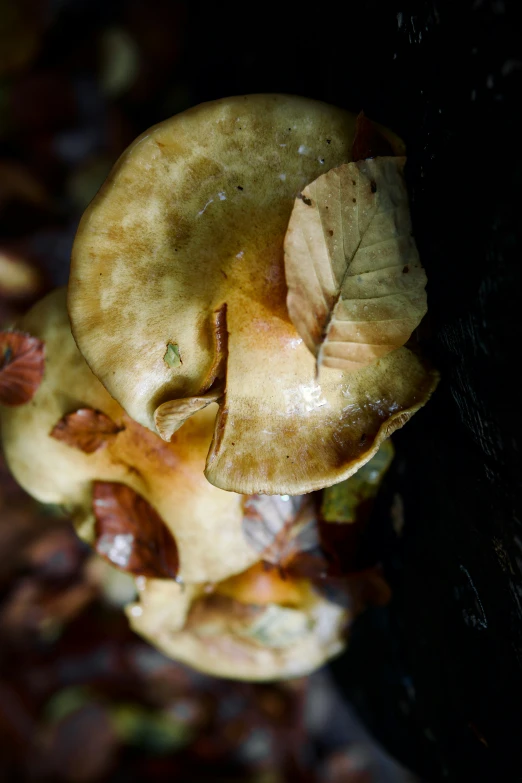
[85,429]
[21,367]
[170,416]
[131,535]
[284,530]
[348,296]
[369,141]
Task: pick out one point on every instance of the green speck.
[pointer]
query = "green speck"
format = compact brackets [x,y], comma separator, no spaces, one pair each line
[156,732]
[67,701]
[172,358]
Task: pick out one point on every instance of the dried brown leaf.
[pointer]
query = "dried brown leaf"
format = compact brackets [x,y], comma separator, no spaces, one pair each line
[21,367]
[369,140]
[85,429]
[355,283]
[131,535]
[170,416]
[284,530]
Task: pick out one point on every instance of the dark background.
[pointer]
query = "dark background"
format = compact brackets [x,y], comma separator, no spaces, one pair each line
[436,676]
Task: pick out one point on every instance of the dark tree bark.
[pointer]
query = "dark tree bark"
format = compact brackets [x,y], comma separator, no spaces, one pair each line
[437,676]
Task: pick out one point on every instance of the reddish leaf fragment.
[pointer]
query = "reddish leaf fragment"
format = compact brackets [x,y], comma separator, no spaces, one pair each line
[21,367]
[131,535]
[86,429]
[369,141]
[284,530]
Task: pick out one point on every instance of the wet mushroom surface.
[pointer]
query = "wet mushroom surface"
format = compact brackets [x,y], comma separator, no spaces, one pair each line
[238,586]
[73,440]
[178,297]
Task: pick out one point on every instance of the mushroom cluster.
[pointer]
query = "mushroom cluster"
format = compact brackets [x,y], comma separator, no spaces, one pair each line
[241,291]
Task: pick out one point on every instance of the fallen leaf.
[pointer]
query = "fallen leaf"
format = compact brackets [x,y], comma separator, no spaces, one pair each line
[21,367]
[172,358]
[131,535]
[369,141]
[85,429]
[343,502]
[284,530]
[170,416]
[355,283]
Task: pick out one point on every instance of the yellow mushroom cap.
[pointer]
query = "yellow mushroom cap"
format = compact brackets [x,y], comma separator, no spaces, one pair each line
[226,637]
[205,521]
[178,290]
